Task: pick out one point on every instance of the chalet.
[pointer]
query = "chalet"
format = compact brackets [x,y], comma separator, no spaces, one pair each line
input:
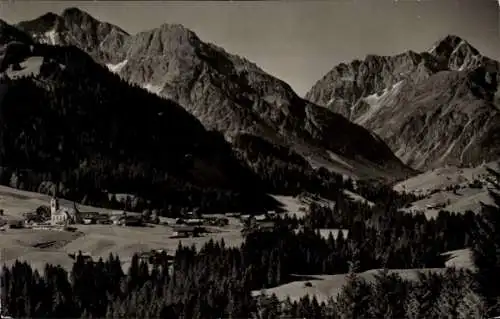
[95,218]
[221,222]
[244,218]
[130,220]
[260,218]
[194,222]
[89,215]
[216,221]
[16,224]
[89,220]
[265,226]
[186,231]
[157,257]
[271,214]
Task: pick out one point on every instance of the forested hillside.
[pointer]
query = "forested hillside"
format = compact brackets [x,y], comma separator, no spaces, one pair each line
[76,123]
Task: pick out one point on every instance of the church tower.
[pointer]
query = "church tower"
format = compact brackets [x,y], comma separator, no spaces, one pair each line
[54,201]
[54,205]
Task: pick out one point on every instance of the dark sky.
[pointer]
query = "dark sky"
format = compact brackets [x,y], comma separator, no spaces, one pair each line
[299,41]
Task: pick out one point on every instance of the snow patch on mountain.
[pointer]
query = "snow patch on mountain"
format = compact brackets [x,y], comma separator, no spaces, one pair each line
[336,158]
[357,198]
[155,89]
[50,37]
[28,67]
[116,68]
[377,100]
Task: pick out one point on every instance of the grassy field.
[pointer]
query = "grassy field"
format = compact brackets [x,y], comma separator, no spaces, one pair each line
[433,184]
[326,286]
[41,246]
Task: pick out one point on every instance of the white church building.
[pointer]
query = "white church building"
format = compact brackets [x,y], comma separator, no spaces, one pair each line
[62,216]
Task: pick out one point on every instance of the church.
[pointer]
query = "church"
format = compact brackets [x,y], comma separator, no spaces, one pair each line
[62,216]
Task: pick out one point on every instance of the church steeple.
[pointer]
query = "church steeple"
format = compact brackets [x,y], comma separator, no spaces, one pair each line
[54,201]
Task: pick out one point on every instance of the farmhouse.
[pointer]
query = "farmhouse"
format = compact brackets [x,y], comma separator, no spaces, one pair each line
[261,218]
[265,226]
[93,217]
[194,222]
[186,231]
[216,221]
[129,220]
[156,257]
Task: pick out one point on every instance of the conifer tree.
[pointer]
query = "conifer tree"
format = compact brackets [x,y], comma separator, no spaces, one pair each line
[354,298]
[486,249]
[472,306]
[388,295]
[455,283]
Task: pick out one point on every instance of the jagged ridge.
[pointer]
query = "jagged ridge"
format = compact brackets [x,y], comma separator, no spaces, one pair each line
[432,108]
[229,94]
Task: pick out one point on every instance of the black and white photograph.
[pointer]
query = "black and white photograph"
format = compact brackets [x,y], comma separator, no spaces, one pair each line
[310,159]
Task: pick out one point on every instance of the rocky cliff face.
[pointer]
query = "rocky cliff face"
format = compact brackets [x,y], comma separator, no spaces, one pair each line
[432,108]
[230,94]
[75,27]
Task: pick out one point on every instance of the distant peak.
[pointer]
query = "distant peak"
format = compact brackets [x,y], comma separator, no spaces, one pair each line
[177,31]
[72,11]
[451,39]
[175,28]
[449,44]
[49,16]
[76,13]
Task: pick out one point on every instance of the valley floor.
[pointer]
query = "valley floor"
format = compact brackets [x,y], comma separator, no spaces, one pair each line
[41,246]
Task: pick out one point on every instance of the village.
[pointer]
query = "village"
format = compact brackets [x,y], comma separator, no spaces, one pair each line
[56,218]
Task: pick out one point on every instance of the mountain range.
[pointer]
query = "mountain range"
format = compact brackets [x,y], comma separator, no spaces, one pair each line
[434,108]
[181,100]
[225,92]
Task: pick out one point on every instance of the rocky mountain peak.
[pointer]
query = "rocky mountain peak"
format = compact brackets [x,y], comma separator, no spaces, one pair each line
[76,13]
[77,27]
[176,29]
[409,98]
[455,53]
[450,43]
[164,41]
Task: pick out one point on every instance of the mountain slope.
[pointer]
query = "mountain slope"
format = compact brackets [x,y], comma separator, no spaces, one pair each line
[70,119]
[75,27]
[434,108]
[232,95]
